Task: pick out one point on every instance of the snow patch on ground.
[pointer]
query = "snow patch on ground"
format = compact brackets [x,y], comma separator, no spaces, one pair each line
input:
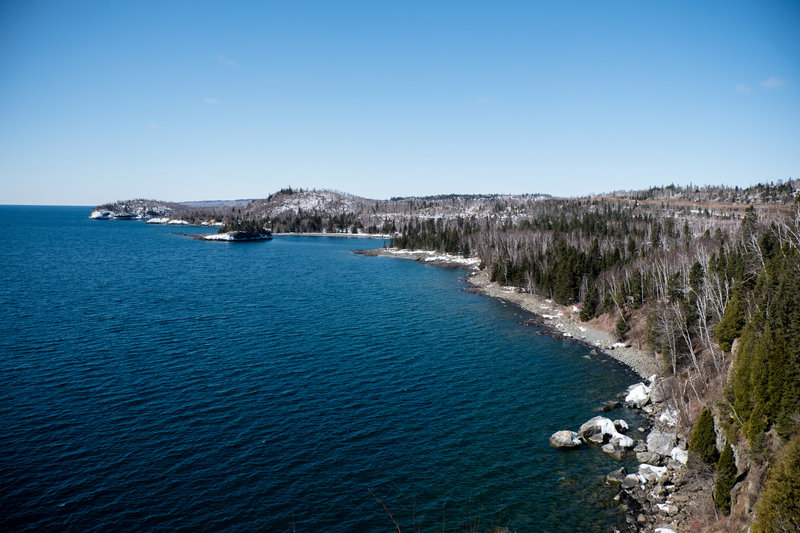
[168,221]
[434,257]
[218,237]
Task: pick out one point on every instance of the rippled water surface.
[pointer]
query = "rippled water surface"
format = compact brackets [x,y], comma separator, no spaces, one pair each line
[154,382]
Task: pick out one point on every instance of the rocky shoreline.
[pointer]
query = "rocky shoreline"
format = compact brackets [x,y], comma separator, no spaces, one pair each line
[563,321]
[659,495]
[557,320]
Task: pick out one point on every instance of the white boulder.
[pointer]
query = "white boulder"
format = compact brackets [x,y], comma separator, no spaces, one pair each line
[598,430]
[682,456]
[565,439]
[601,430]
[622,441]
[638,395]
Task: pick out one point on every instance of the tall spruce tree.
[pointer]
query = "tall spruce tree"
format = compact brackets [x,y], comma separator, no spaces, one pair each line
[704,439]
[590,303]
[732,322]
[726,477]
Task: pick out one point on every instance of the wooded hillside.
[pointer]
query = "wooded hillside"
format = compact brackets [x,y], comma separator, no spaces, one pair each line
[714,275]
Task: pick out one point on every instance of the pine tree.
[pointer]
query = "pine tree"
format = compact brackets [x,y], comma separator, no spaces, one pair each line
[732,322]
[590,303]
[726,477]
[704,439]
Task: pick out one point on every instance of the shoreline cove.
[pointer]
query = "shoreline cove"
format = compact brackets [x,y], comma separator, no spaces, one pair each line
[557,320]
[561,322]
[655,497]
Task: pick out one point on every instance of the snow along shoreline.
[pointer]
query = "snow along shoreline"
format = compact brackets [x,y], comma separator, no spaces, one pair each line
[559,320]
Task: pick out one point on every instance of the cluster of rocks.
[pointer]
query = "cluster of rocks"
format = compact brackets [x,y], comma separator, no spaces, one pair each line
[610,435]
[649,491]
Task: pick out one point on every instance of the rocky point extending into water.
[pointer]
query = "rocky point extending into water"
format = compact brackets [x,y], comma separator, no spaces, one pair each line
[425,256]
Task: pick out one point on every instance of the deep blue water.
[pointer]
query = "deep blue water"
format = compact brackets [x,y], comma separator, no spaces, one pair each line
[152,382]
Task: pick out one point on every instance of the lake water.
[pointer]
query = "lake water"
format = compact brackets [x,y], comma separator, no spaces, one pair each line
[150,381]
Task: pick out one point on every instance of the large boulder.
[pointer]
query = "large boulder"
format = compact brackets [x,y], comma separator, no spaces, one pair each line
[617,453]
[601,430]
[661,442]
[564,439]
[638,395]
[619,446]
[621,426]
[622,441]
[664,389]
[598,430]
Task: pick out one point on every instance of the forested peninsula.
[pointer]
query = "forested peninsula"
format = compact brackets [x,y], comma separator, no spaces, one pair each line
[705,278]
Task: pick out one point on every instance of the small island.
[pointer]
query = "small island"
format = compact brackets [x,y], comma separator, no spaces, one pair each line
[236,236]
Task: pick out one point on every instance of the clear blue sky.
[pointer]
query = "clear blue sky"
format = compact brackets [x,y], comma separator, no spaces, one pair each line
[107,100]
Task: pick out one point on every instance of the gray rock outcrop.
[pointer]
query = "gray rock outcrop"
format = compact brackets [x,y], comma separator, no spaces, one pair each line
[661,443]
[664,389]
